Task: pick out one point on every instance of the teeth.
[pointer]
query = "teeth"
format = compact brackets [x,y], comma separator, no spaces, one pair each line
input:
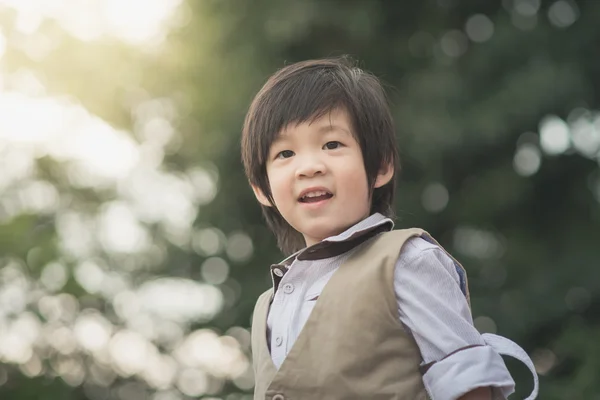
[315,194]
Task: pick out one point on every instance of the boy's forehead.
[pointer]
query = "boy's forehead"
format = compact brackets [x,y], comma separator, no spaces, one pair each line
[332,121]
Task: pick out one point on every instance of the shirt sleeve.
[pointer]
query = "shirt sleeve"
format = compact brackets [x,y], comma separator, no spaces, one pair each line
[433,309]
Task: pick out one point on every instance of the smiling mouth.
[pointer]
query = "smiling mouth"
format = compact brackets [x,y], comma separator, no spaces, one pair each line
[315,197]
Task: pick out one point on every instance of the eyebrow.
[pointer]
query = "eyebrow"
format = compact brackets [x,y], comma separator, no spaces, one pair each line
[333,127]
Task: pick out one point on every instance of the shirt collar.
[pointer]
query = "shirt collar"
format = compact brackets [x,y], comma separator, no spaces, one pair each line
[334,245]
[339,244]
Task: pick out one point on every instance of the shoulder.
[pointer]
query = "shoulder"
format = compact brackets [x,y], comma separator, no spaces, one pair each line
[417,247]
[423,255]
[418,250]
[411,245]
[423,258]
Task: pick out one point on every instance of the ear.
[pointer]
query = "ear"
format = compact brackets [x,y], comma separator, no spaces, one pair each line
[385,174]
[260,196]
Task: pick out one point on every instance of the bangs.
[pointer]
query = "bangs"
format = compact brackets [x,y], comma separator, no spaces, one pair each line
[303,98]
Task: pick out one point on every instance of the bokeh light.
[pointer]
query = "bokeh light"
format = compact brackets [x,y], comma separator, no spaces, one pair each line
[151,320]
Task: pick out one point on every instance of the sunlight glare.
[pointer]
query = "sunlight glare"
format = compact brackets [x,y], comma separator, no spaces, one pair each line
[138,20]
[92,331]
[2,44]
[129,351]
[160,371]
[180,300]
[134,21]
[222,355]
[120,231]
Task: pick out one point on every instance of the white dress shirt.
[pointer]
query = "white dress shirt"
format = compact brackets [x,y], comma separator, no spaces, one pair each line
[431,306]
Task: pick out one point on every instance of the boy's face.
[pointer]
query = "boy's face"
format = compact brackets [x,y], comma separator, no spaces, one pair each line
[317,177]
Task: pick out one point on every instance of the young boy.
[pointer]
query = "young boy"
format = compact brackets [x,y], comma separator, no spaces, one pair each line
[358,310]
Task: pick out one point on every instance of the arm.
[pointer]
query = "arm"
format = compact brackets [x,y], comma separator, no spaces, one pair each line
[457,362]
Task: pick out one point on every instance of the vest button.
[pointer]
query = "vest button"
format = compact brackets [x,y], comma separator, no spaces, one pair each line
[278,397]
[288,288]
[278,272]
[278,341]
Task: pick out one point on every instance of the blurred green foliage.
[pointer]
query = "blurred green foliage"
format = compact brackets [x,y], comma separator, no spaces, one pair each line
[484,96]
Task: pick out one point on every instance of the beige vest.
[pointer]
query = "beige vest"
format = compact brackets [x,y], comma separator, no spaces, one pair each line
[353,345]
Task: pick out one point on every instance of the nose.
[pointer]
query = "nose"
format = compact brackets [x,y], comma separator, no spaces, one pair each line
[309,166]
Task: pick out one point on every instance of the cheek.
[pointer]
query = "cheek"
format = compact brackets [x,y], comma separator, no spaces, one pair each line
[356,179]
[280,187]
[356,188]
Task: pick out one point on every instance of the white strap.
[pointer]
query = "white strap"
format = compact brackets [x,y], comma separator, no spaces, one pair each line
[507,347]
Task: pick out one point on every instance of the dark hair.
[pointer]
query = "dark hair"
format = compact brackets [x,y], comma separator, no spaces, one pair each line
[303,92]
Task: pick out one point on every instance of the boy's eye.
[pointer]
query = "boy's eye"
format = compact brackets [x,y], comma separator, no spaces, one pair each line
[284,154]
[332,145]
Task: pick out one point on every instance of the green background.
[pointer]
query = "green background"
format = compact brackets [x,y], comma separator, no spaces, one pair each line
[137,279]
